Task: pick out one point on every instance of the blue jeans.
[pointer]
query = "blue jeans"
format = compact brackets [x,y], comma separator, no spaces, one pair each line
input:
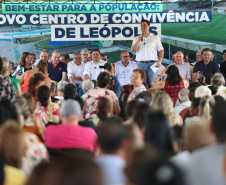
[149,73]
[79,90]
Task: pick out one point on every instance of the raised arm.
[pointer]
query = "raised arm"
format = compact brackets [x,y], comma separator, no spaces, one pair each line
[157,83]
[135,46]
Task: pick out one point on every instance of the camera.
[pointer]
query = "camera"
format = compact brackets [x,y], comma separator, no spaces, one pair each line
[106,66]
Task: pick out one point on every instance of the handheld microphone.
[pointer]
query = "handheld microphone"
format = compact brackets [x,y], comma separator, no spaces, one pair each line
[142,35]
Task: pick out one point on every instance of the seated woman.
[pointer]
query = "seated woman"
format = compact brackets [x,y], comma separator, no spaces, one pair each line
[6,72]
[34,83]
[7,90]
[13,149]
[104,107]
[42,68]
[159,133]
[137,80]
[32,122]
[60,91]
[45,108]
[93,95]
[24,65]
[164,103]
[173,83]
[35,149]
[218,81]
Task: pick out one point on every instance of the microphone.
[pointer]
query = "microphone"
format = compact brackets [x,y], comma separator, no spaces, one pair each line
[142,35]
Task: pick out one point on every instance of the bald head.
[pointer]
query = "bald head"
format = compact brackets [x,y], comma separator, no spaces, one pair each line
[179,57]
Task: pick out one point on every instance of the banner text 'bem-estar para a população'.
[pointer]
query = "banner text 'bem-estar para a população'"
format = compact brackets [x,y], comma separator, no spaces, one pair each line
[70,22]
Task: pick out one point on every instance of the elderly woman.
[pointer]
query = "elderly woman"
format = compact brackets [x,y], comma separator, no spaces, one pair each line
[92,97]
[6,72]
[60,91]
[24,64]
[173,83]
[137,80]
[86,86]
[218,81]
[7,90]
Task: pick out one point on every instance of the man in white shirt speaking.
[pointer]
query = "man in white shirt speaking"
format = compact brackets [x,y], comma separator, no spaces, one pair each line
[147,46]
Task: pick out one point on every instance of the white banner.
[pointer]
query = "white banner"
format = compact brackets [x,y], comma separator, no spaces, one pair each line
[93,32]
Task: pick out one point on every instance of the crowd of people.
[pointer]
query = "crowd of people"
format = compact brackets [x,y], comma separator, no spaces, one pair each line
[87,121]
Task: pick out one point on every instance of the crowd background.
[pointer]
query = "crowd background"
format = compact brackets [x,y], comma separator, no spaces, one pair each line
[86,121]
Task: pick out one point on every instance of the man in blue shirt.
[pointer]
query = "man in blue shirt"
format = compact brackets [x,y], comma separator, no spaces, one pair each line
[57,70]
[207,65]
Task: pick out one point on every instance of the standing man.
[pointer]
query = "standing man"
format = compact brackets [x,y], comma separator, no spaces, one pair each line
[147,46]
[75,71]
[124,68]
[92,69]
[57,70]
[184,67]
[206,65]
[84,54]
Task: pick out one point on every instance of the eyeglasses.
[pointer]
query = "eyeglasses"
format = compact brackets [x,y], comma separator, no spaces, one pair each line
[134,77]
[77,58]
[85,54]
[125,56]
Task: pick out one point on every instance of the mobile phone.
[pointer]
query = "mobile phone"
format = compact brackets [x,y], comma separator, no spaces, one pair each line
[200,76]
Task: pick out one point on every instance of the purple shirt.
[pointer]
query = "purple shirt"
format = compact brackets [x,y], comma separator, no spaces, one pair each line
[184,69]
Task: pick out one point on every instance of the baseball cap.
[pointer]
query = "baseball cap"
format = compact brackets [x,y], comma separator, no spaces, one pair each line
[70,108]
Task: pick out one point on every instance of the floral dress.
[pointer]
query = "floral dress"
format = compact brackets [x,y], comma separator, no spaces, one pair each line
[7,89]
[36,153]
[48,112]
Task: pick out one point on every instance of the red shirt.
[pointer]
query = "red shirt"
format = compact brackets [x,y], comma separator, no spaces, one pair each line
[173,90]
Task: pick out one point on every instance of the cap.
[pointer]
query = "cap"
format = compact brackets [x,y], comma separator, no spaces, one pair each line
[70,108]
